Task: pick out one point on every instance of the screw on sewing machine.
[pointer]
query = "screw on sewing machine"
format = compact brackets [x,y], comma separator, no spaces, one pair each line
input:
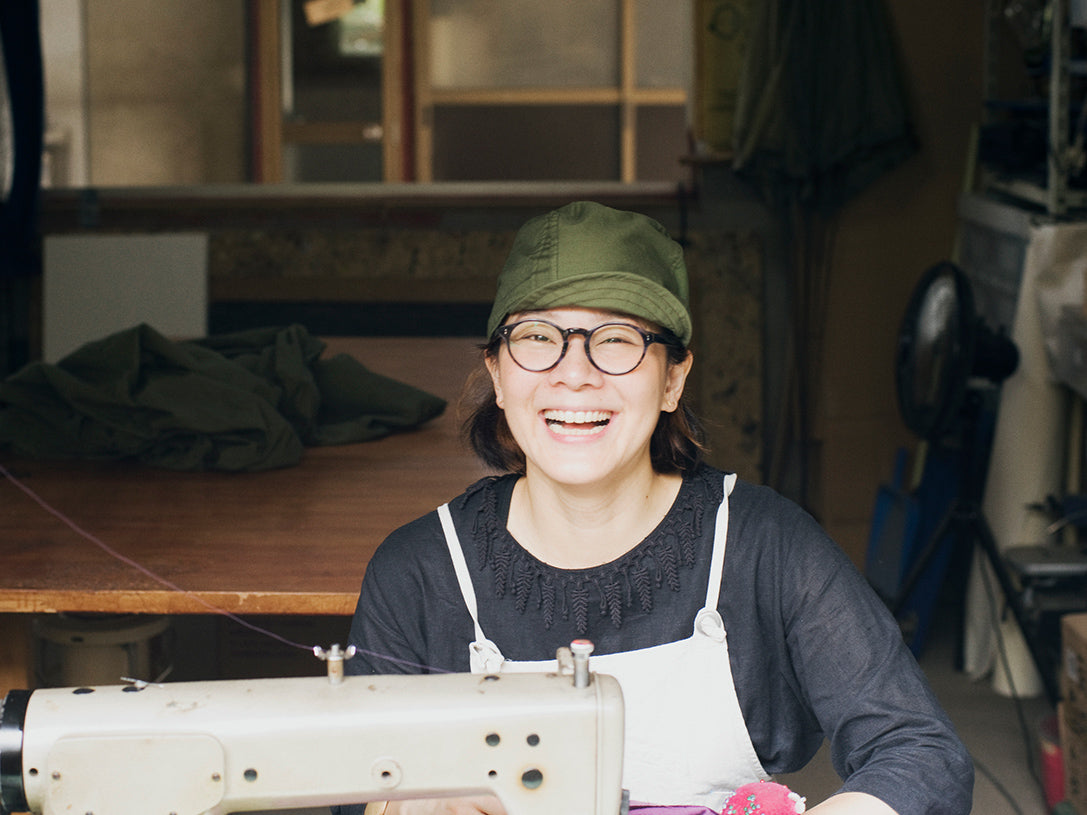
[335,659]
[575,660]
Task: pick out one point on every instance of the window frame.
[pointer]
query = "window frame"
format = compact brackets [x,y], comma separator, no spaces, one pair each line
[409,98]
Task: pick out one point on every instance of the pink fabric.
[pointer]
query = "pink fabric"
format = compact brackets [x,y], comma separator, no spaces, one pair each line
[652,809]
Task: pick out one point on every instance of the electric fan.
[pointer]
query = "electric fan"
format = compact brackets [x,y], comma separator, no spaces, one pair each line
[942,346]
[945,356]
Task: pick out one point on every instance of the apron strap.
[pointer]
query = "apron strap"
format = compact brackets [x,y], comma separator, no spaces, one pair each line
[708,621]
[460,566]
[483,655]
[717,560]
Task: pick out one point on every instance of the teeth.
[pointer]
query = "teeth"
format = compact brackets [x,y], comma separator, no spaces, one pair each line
[577,422]
[577,416]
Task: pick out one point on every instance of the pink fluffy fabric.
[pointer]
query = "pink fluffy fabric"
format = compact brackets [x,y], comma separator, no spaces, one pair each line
[764,798]
[758,798]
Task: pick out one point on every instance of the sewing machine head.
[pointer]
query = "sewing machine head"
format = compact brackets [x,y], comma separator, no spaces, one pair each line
[542,743]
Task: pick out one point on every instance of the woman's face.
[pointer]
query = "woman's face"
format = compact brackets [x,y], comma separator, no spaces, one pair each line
[576,424]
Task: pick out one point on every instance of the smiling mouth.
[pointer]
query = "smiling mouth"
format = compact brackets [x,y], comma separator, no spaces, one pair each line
[577,422]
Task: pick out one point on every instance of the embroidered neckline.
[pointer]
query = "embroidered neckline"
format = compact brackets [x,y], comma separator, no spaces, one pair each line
[656,564]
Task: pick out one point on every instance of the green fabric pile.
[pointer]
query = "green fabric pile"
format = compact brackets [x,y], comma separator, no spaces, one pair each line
[247,401]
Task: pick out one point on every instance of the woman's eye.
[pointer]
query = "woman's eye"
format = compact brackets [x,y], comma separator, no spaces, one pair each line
[534,335]
[617,337]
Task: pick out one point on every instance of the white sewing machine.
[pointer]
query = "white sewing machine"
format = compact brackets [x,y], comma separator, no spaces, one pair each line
[543,743]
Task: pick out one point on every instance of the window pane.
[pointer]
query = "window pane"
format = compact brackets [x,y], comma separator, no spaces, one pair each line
[338,99]
[523,43]
[662,142]
[362,30]
[663,51]
[324,163]
[526,143]
[165,96]
[328,83]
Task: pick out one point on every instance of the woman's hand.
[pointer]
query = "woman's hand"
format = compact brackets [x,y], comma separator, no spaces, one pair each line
[475,805]
[852,803]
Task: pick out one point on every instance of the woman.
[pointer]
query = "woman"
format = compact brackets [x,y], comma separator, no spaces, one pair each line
[608,526]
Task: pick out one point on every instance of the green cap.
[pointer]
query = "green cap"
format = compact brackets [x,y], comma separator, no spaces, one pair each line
[587,255]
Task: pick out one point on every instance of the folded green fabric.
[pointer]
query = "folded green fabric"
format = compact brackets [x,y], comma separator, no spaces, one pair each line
[247,401]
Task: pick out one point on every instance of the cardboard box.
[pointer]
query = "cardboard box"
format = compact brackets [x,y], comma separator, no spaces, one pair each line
[1074,747]
[1073,679]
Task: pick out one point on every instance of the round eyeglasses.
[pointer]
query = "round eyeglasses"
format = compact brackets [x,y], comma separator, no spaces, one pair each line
[612,348]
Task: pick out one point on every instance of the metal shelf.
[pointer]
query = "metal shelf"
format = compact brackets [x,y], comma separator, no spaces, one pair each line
[1038,194]
[1054,194]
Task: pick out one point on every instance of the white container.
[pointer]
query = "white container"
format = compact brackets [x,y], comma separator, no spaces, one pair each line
[72,650]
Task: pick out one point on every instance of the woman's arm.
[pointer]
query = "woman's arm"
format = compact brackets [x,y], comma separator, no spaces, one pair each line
[822,656]
[410,617]
[888,735]
[477,805]
[852,803]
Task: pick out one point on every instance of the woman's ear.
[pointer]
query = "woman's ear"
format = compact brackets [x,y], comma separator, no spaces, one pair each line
[676,380]
[491,362]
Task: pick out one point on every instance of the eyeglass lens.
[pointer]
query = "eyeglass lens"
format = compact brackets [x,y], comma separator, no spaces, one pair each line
[614,348]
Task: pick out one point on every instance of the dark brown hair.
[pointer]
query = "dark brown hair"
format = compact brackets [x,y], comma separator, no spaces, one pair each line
[676,446]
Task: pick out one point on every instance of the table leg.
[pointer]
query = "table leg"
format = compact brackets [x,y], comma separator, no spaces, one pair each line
[16,663]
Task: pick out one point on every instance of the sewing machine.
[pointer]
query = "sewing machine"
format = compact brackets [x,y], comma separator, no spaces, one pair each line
[543,743]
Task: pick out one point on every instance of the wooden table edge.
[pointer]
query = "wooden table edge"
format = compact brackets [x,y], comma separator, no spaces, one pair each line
[37,601]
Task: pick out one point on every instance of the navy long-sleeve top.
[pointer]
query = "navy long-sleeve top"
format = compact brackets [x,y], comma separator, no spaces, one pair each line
[814,652]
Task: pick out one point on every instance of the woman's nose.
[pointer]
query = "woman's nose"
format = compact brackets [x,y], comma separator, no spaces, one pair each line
[575,367]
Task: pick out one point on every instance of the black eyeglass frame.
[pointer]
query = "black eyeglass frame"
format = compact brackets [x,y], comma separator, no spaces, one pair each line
[648,338]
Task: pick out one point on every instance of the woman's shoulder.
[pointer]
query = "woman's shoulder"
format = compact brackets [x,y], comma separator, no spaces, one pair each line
[766,508]
[770,530]
[747,499]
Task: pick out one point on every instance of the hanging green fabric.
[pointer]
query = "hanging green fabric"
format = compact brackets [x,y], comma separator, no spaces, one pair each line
[822,109]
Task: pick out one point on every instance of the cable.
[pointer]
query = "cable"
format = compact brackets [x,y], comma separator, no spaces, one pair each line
[68,522]
[999,787]
[1005,663]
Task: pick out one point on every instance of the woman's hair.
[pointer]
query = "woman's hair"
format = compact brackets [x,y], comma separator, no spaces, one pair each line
[676,446]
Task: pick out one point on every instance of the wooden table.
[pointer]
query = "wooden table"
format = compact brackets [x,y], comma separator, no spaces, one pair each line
[292,541]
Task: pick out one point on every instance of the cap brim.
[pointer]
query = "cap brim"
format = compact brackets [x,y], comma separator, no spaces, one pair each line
[623,292]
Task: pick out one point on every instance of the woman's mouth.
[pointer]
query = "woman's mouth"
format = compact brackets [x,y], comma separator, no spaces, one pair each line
[576,422]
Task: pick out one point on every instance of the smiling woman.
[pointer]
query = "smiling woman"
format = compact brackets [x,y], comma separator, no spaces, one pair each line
[606,525]
[577,423]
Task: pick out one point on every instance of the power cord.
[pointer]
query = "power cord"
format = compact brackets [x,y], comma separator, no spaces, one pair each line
[1005,663]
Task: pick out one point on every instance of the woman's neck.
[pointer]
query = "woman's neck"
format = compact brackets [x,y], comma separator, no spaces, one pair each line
[584,526]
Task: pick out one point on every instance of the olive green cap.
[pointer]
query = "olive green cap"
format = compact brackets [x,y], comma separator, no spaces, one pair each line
[586,255]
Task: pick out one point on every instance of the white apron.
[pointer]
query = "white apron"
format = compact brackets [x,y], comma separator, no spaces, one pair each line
[686,741]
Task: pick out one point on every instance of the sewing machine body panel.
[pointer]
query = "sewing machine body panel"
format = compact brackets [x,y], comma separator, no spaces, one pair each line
[535,740]
[79,781]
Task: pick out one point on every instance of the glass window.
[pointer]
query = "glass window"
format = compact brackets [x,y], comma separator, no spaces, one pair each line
[662,51]
[523,43]
[178,92]
[525,143]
